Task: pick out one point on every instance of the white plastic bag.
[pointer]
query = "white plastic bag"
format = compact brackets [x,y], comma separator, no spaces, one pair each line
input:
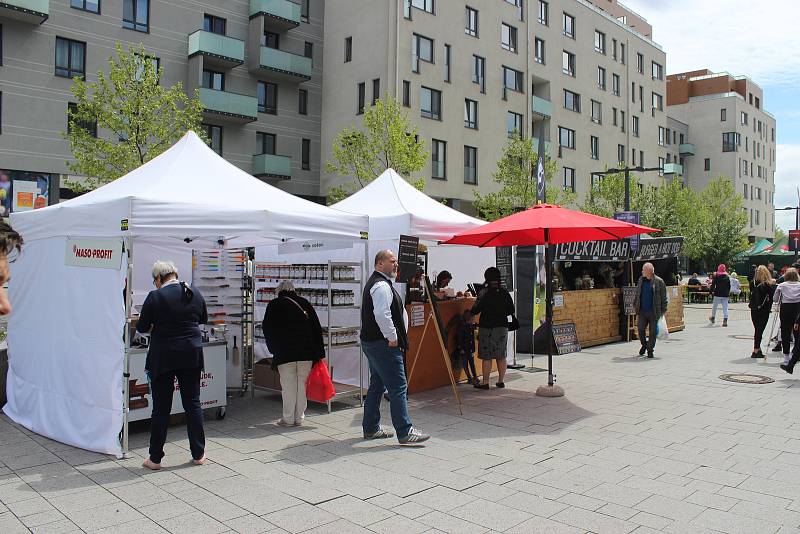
[662,332]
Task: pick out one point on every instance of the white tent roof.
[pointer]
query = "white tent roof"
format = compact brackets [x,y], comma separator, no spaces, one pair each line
[190,192]
[396,207]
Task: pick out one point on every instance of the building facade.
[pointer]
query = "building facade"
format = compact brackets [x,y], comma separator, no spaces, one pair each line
[732,135]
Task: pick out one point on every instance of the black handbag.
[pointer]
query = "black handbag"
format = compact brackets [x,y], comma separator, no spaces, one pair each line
[513,324]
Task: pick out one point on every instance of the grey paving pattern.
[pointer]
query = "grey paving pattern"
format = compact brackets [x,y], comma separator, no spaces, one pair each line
[636,446]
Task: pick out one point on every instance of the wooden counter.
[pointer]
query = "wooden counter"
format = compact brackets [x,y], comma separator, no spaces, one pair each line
[675,309]
[595,313]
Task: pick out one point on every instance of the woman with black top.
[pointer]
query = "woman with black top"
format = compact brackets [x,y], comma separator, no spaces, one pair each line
[294,337]
[495,305]
[760,306]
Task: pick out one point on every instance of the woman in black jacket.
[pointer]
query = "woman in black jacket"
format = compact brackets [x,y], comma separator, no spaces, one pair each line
[760,306]
[495,305]
[294,337]
[721,289]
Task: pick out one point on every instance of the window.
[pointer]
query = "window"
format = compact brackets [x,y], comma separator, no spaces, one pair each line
[641,99]
[268,98]
[308,51]
[90,127]
[471,26]
[271,40]
[508,37]
[633,156]
[362,95]
[470,165]
[92,6]
[407,93]
[661,166]
[614,49]
[615,84]
[594,144]
[641,158]
[757,214]
[421,50]
[306,155]
[758,103]
[566,137]
[569,179]
[758,193]
[348,49]
[479,72]
[707,164]
[723,115]
[302,106]
[305,8]
[136,16]
[622,53]
[265,143]
[730,140]
[514,125]
[470,114]
[622,120]
[430,103]
[214,136]
[635,125]
[681,137]
[213,80]
[572,101]
[568,25]
[600,42]
[512,79]
[568,63]
[539,55]
[661,135]
[601,78]
[657,71]
[439,160]
[614,116]
[640,63]
[597,112]
[621,153]
[70,58]
[214,24]
[658,101]
[447,62]
[544,13]
[424,5]
[376,90]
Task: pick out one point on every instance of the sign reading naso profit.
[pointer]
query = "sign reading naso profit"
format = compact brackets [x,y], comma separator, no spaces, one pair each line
[98,253]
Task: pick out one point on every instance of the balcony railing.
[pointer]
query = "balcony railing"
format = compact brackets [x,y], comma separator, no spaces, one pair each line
[542,107]
[673,168]
[272,166]
[687,149]
[278,14]
[219,49]
[284,64]
[30,11]
[229,106]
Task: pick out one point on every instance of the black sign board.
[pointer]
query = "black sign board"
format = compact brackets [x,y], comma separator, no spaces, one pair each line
[594,251]
[407,258]
[503,262]
[633,218]
[566,338]
[658,248]
[794,240]
[629,300]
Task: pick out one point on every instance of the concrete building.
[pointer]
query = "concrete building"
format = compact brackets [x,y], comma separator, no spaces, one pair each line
[731,135]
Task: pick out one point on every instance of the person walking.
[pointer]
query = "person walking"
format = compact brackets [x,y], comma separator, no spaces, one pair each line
[721,291]
[789,367]
[494,303]
[172,314]
[651,304]
[760,306]
[294,337]
[787,294]
[383,340]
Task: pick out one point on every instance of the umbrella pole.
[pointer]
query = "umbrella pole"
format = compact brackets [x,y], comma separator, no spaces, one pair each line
[551,389]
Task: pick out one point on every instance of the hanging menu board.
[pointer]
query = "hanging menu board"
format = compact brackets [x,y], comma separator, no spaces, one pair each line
[503,262]
[633,218]
[566,338]
[629,300]
[407,258]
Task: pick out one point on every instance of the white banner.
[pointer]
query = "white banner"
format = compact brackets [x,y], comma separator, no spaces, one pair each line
[102,253]
[294,247]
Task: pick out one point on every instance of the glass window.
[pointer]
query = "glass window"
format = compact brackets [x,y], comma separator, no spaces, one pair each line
[470,114]
[658,71]
[730,141]
[90,127]
[213,80]
[600,42]
[305,155]
[305,8]
[566,137]
[348,49]
[271,40]
[362,95]
[70,58]
[471,26]
[572,101]
[214,136]
[614,116]
[544,13]
[376,90]
[155,64]
[622,53]
[569,179]
[512,79]
[621,153]
[744,118]
[136,15]
[640,63]
[407,93]
[601,78]
[439,159]
[424,5]
[308,51]
[479,72]
[430,103]
[421,50]
[594,143]
[447,62]
[661,166]
[509,37]
[214,24]
[707,164]
[470,165]
[658,102]
[568,63]
[635,125]
[302,106]
[265,142]
[622,122]
[614,49]
[268,98]
[615,84]
[668,137]
[540,51]
[86,5]
[597,112]
[568,25]
[514,125]
[661,135]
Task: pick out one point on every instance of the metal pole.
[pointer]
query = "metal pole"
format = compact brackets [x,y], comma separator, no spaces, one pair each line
[515,365]
[551,377]
[126,368]
[627,189]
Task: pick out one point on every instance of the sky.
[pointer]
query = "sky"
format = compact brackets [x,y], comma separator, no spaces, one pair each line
[758,39]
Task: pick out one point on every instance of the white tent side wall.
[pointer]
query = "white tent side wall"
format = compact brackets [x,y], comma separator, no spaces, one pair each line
[66,349]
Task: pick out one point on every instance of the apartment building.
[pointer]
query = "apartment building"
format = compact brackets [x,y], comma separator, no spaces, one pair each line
[731,135]
[257,65]
[472,72]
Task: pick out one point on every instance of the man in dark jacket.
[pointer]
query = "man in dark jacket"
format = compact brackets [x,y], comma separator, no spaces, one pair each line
[172,314]
[651,305]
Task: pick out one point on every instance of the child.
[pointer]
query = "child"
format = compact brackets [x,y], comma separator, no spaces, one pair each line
[465,347]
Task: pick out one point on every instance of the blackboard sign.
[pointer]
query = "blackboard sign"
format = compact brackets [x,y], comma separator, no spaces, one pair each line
[566,338]
[435,308]
[633,218]
[407,258]
[658,248]
[503,262]
[629,300]
[618,250]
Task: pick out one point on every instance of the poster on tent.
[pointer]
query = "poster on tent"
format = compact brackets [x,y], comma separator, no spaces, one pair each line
[212,384]
[407,258]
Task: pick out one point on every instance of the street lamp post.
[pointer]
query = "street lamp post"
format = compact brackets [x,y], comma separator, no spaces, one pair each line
[627,170]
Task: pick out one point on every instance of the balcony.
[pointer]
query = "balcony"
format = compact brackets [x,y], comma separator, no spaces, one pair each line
[542,107]
[272,166]
[673,168]
[30,11]
[280,15]
[277,64]
[217,50]
[536,145]
[229,107]
[687,149]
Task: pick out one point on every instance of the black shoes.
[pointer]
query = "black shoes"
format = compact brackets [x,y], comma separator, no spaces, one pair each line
[758,354]
[642,350]
[778,347]
[500,385]
[650,354]
[787,367]
[481,386]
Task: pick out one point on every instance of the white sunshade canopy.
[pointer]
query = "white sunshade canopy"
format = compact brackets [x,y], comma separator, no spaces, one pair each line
[190,192]
[396,207]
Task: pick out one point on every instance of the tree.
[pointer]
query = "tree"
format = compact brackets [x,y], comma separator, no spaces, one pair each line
[385,140]
[142,117]
[607,195]
[674,209]
[516,175]
[722,222]
[779,234]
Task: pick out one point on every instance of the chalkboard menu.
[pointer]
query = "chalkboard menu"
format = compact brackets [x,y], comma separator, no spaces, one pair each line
[629,300]
[407,258]
[633,218]
[566,338]
[503,262]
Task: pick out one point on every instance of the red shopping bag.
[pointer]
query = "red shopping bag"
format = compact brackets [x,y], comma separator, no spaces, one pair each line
[319,386]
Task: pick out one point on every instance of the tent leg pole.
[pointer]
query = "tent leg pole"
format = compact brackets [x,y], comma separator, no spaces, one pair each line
[551,389]
[514,365]
[126,367]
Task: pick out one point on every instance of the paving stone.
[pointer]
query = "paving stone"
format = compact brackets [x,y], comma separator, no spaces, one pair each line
[42,518]
[260,504]
[141,494]
[387,501]
[718,476]
[724,522]
[300,518]
[341,526]
[618,494]
[9,524]
[538,525]
[398,525]
[64,526]
[250,524]
[356,511]
[711,500]
[412,510]
[615,510]
[30,506]
[594,522]
[653,521]
[442,499]
[193,523]
[139,526]
[165,510]
[84,500]
[581,501]
[491,515]
[670,508]
[103,516]
[449,524]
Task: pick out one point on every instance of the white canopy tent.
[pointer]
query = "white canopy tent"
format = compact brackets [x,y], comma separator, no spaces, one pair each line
[65,342]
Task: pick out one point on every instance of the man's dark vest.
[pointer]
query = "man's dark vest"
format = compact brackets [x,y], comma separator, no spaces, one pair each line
[370,331]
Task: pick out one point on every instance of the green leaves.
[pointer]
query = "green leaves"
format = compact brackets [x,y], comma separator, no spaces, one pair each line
[141,117]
